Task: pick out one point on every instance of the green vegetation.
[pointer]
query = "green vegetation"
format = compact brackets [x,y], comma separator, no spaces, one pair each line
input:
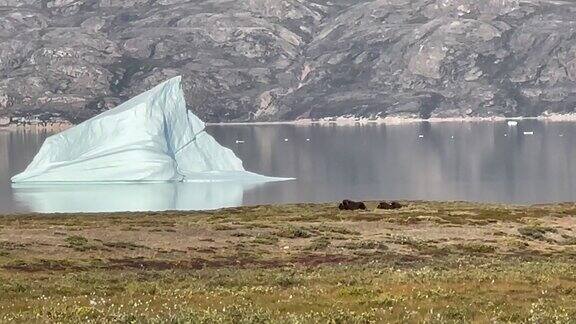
[78,243]
[318,244]
[475,248]
[536,232]
[366,245]
[293,232]
[429,262]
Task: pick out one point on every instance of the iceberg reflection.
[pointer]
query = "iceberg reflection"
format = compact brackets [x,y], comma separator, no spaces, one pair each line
[116,197]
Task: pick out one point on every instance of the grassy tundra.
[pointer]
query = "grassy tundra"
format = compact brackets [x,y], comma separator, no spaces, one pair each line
[428,262]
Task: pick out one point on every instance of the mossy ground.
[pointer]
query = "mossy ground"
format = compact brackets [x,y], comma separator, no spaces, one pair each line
[428,262]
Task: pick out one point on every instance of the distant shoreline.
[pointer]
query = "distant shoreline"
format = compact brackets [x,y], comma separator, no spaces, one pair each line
[354,121]
[337,121]
[37,127]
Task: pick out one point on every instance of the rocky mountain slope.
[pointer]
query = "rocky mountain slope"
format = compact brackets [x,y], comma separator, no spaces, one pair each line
[245,60]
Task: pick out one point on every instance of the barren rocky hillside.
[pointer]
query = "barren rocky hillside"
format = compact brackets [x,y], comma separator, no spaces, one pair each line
[247,60]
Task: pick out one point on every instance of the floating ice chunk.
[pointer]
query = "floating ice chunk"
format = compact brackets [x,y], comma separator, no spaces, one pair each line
[528,133]
[512,123]
[151,137]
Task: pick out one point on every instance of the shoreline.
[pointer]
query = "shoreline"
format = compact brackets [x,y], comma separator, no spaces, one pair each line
[36,127]
[392,121]
[338,121]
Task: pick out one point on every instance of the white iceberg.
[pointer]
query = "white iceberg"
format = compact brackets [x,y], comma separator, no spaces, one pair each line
[151,137]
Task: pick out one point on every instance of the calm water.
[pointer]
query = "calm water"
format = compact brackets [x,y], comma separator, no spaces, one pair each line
[452,161]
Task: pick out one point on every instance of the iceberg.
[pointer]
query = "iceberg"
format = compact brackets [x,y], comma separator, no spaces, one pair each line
[151,137]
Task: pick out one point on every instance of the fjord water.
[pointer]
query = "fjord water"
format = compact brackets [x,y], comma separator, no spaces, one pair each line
[473,161]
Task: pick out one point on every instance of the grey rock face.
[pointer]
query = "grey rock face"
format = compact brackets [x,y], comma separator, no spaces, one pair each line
[265,60]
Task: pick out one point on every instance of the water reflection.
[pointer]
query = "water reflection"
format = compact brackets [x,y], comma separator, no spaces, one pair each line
[112,197]
[449,161]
